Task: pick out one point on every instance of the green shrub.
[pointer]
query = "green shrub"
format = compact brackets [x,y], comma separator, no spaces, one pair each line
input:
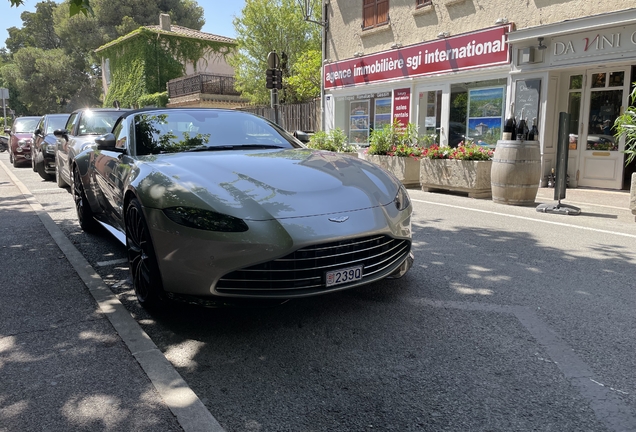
[335,140]
[626,124]
[395,140]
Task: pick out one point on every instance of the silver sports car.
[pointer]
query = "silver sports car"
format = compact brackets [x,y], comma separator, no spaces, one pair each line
[217,206]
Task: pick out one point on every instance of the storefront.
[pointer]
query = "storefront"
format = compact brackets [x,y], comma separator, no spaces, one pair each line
[454,88]
[586,70]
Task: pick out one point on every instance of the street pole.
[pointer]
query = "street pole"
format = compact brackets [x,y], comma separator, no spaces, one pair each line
[274,102]
[5,96]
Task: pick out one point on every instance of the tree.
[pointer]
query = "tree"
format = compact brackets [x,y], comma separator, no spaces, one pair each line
[42,80]
[37,29]
[304,82]
[75,6]
[273,25]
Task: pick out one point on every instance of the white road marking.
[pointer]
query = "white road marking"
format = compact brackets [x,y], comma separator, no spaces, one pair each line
[527,218]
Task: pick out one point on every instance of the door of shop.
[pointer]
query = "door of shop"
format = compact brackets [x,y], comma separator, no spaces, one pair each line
[430,113]
[601,158]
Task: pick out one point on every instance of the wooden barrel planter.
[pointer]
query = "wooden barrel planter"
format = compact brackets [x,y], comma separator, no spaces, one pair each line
[516,172]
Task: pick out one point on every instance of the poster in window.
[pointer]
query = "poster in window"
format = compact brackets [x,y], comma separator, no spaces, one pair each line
[359,122]
[382,113]
[485,115]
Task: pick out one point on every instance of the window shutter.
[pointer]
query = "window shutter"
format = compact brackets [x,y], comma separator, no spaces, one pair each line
[368,13]
[383,12]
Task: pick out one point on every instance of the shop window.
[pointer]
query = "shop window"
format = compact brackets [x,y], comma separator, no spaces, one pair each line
[574,109]
[375,13]
[616,79]
[429,113]
[598,80]
[477,112]
[576,82]
[422,3]
[359,122]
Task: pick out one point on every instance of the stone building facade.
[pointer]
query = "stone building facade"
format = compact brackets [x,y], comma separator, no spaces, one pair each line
[459,68]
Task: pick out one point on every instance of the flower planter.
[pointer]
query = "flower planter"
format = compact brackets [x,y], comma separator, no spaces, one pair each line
[406,169]
[471,177]
[632,195]
[351,154]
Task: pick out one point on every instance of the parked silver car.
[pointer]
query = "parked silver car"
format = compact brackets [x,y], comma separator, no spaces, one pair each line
[216,206]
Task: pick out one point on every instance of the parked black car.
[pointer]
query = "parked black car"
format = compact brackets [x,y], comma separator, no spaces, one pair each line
[82,127]
[44,143]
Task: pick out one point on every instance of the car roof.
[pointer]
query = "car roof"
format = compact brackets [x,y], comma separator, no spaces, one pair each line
[150,109]
[79,110]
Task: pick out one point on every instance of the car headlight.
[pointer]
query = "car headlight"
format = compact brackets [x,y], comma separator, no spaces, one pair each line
[24,142]
[402,200]
[50,149]
[205,219]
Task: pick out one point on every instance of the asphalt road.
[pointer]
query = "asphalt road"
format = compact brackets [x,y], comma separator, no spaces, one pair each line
[510,320]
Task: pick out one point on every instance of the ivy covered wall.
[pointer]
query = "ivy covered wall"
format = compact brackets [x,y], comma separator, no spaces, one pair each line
[143,61]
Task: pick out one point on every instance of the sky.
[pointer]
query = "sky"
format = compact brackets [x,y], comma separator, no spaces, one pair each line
[218,16]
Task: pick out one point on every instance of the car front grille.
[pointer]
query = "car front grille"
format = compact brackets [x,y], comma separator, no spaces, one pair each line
[303,271]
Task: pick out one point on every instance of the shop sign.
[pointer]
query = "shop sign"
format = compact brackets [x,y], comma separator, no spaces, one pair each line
[462,52]
[606,43]
[402,106]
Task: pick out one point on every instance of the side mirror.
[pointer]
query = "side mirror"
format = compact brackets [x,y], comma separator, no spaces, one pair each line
[7,131]
[61,133]
[106,142]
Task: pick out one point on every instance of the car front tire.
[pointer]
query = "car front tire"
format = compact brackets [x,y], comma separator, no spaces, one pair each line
[58,179]
[142,260]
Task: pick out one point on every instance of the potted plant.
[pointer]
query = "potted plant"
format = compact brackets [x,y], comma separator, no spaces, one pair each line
[465,168]
[625,124]
[335,141]
[396,149]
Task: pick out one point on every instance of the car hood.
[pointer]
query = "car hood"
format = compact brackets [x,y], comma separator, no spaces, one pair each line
[23,135]
[263,185]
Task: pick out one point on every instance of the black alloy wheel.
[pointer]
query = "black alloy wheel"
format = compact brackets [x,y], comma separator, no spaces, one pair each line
[142,260]
[85,215]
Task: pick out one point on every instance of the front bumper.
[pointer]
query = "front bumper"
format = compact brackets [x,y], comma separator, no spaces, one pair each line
[192,262]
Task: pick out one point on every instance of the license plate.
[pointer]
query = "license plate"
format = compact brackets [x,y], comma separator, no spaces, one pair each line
[349,274]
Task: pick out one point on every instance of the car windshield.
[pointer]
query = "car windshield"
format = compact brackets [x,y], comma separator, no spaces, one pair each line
[26,125]
[56,122]
[205,130]
[98,123]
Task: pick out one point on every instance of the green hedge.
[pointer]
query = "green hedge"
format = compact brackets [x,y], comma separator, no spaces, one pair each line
[155,99]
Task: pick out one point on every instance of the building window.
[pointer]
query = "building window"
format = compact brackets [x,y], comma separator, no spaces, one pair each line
[422,3]
[375,13]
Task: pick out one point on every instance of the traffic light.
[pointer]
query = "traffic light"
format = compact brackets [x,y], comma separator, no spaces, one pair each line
[269,83]
[274,79]
[278,81]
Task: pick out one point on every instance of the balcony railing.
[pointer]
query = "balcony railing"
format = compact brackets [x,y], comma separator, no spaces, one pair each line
[202,83]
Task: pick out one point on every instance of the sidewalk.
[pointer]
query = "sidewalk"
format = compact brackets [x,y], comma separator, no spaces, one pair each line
[602,197]
[71,356]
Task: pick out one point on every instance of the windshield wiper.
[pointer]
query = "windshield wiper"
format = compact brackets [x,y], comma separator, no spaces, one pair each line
[211,148]
[235,147]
